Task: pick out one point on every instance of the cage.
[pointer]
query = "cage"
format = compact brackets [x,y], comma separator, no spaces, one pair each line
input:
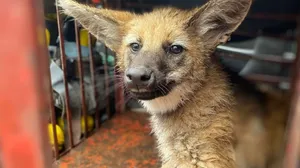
[69,95]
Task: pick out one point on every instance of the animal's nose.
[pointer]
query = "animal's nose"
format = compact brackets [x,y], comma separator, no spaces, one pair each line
[141,77]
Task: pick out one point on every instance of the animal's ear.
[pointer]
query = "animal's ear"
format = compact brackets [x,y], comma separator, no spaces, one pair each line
[217,19]
[106,25]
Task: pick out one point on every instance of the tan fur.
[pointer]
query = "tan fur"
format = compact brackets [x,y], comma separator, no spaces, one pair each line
[200,133]
[277,112]
[260,128]
[197,123]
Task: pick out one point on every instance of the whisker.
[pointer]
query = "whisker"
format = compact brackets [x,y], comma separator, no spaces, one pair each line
[161,89]
[167,89]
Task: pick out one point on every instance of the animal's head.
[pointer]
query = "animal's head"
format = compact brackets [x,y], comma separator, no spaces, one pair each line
[162,52]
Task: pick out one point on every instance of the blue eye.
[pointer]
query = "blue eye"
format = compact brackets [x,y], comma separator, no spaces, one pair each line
[176,49]
[135,47]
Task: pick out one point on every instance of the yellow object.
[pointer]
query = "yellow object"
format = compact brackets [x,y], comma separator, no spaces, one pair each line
[51,17]
[90,124]
[84,38]
[60,122]
[47,37]
[60,136]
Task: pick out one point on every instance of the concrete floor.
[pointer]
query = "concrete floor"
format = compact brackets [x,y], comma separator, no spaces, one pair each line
[122,142]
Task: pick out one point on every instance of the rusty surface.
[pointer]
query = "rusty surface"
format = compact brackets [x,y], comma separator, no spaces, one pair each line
[81,79]
[119,92]
[94,82]
[122,142]
[24,86]
[53,116]
[105,3]
[64,68]
[293,143]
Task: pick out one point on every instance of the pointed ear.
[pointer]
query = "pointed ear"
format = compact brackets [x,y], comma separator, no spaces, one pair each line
[217,19]
[105,25]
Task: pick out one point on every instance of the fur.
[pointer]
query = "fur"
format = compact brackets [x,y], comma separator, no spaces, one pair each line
[196,122]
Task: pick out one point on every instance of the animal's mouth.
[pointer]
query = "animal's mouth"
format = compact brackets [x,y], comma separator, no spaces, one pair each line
[149,94]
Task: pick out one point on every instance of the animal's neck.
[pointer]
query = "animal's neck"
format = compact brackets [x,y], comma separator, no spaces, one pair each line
[209,106]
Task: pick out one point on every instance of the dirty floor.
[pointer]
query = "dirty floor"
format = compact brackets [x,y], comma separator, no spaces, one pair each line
[122,142]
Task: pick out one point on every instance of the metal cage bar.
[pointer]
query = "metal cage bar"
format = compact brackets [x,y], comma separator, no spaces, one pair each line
[119,92]
[53,119]
[81,78]
[94,82]
[107,82]
[23,86]
[64,68]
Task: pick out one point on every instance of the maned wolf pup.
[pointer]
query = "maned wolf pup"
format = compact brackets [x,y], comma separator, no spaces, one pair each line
[165,57]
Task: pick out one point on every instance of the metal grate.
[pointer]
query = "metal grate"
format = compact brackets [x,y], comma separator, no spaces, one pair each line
[119,98]
[27,98]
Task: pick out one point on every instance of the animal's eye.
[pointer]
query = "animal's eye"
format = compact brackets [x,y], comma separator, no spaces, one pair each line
[135,47]
[176,49]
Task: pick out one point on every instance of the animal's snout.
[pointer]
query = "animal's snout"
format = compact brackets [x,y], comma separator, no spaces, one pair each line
[140,78]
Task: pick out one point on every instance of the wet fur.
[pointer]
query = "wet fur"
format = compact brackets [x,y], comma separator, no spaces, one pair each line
[196,123]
